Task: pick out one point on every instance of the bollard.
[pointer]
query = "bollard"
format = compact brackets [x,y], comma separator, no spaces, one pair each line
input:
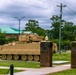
[11,69]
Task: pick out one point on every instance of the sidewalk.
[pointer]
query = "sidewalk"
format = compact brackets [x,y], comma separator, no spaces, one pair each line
[44,71]
[41,71]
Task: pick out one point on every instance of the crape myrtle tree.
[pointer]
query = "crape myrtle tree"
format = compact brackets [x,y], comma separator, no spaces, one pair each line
[33,26]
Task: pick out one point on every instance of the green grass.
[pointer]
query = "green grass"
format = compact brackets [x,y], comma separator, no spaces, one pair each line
[65,56]
[4,71]
[24,64]
[66,72]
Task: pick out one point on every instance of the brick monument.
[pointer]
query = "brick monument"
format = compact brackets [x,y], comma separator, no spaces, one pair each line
[46,54]
[73,54]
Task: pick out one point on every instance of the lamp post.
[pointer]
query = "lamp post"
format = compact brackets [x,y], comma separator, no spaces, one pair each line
[19,19]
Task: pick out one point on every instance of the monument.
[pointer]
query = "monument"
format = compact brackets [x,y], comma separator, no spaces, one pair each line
[46,54]
[73,54]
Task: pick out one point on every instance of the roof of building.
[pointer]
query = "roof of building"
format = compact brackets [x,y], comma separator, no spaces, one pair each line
[9,30]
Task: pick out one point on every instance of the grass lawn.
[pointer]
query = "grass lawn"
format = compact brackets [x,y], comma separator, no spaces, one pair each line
[4,71]
[66,72]
[24,64]
[64,56]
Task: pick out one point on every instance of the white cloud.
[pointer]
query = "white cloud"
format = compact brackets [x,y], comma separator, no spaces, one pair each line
[40,10]
[2,3]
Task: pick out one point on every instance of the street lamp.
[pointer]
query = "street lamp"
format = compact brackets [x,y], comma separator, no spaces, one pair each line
[19,19]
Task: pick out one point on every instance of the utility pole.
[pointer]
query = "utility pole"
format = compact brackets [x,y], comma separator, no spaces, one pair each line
[61,6]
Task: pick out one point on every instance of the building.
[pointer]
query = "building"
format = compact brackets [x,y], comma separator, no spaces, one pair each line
[13,32]
[10,31]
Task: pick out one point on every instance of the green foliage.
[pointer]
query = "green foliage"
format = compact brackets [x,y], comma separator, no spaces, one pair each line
[66,44]
[68,31]
[64,56]
[33,26]
[2,38]
[41,32]
[55,40]
[55,26]
[11,39]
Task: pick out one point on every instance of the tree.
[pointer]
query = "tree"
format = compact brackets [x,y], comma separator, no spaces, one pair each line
[2,38]
[69,31]
[55,27]
[33,26]
[41,32]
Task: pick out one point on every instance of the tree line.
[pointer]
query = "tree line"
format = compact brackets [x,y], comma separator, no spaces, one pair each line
[68,31]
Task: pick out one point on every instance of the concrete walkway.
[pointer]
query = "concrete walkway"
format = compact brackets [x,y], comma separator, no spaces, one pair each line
[44,71]
[41,71]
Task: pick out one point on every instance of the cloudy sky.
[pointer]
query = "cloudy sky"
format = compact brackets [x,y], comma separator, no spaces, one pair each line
[40,10]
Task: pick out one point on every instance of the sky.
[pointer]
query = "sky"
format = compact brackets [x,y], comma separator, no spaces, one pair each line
[40,10]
